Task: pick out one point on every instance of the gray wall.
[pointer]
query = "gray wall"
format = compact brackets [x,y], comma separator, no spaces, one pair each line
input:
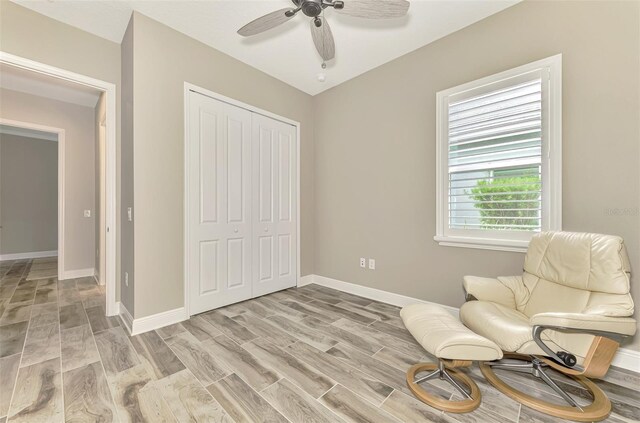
[375,146]
[126,165]
[28,194]
[78,123]
[163,60]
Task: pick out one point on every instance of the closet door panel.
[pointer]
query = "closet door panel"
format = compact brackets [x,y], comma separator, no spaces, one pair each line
[208,261]
[236,263]
[219,204]
[235,167]
[265,258]
[265,200]
[275,188]
[287,213]
[284,176]
[208,149]
[265,174]
[238,199]
[284,254]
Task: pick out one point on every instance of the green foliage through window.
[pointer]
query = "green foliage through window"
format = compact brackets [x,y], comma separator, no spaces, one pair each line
[511,203]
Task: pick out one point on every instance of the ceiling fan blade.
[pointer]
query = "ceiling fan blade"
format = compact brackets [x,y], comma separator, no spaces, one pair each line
[323,39]
[375,9]
[266,22]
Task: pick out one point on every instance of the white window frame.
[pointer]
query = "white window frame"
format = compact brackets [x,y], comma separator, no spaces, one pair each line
[551,71]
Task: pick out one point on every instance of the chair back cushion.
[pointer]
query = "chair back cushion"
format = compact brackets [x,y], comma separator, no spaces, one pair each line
[578,273]
[591,262]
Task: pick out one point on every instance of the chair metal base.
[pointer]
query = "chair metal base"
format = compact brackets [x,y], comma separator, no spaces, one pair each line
[598,410]
[460,381]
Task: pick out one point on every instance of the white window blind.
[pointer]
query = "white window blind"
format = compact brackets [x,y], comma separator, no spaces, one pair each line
[499,158]
[495,161]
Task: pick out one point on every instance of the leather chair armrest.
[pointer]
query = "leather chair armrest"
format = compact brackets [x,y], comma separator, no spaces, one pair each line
[489,289]
[586,322]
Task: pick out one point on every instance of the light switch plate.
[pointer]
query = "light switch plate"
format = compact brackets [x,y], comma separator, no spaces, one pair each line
[87,213]
[372,264]
[129,214]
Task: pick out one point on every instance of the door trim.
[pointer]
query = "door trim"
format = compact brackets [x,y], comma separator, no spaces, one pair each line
[188,87]
[109,90]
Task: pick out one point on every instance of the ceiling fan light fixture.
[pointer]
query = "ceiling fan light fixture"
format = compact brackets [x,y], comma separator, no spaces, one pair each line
[320,28]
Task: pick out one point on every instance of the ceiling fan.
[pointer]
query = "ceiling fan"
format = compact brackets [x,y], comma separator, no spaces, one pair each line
[320,30]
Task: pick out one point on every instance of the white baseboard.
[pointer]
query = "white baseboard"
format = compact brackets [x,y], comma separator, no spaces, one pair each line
[96,276]
[148,323]
[30,255]
[625,358]
[373,293]
[125,317]
[305,280]
[79,273]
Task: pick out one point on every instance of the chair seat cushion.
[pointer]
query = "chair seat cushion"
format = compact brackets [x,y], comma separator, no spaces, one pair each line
[507,327]
[444,336]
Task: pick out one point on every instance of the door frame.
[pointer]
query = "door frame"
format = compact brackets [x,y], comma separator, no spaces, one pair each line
[109,90]
[59,132]
[188,87]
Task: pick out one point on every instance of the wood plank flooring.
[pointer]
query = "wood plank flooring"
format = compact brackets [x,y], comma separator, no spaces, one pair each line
[309,354]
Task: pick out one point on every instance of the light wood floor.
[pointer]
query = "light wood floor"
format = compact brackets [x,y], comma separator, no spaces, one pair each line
[310,354]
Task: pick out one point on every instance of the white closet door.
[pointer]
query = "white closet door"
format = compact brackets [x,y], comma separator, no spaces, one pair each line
[219,204]
[274,205]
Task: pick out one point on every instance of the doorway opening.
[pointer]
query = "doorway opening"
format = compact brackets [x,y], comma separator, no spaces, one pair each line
[30,211]
[95,213]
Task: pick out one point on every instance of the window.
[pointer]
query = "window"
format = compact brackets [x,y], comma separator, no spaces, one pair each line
[498,158]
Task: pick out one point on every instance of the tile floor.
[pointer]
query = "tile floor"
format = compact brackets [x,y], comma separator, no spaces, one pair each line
[309,354]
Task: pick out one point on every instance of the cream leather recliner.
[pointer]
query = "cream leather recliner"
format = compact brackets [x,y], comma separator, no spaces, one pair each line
[568,310]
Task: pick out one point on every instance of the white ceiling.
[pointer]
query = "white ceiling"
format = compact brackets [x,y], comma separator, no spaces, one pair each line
[286,52]
[29,82]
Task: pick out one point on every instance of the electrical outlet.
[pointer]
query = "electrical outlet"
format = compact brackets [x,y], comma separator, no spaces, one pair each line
[372,264]
[363,262]
[126,278]
[129,214]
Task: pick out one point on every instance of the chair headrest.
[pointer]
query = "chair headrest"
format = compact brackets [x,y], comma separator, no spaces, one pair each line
[592,262]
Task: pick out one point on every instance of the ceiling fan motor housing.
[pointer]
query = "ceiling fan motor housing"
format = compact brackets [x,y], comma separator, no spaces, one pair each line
[311,8]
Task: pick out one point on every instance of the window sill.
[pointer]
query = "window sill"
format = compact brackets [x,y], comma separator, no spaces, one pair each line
[515,246]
